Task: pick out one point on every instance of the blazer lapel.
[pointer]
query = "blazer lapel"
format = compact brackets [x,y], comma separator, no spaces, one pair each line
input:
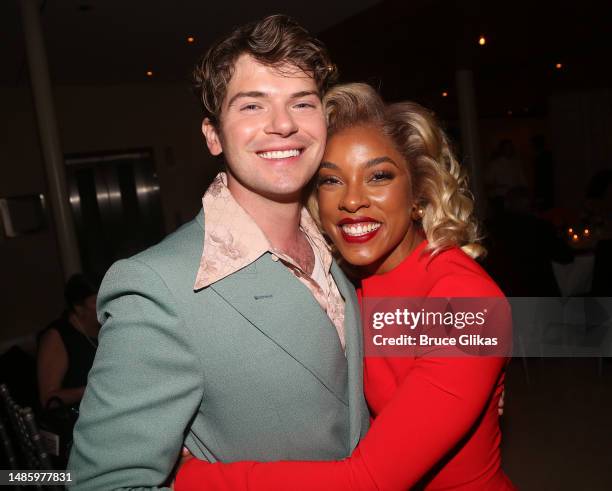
[358,412]
[269,296]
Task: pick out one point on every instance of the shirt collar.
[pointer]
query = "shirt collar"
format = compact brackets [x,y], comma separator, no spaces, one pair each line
[232,239]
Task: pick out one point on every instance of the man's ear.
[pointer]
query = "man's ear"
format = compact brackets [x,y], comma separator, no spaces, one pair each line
[212,137]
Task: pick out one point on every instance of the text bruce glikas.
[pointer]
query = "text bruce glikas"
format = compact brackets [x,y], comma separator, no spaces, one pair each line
[411,319]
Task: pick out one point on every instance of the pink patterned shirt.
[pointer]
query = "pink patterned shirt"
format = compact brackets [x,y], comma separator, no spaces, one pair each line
[232,240]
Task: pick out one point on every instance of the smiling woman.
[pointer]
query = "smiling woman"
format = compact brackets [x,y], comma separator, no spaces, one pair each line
[363,185]
[394,162]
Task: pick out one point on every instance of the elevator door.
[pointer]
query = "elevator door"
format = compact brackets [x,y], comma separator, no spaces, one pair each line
[116,206]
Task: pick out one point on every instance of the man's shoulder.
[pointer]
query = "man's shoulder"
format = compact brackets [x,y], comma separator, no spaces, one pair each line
[184,245]
[175,259]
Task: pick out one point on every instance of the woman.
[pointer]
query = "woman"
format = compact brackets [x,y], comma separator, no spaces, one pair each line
[391,198]
[68,345]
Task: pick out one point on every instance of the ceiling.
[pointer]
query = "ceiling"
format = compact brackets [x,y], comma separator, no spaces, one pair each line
[118,41]
[407,48]
[413,49]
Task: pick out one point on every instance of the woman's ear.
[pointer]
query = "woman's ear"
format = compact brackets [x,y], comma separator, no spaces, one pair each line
[417,212]
[212,137]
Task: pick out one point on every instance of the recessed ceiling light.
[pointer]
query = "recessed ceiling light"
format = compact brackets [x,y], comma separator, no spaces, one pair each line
[444,94]
[482,40]
[559,66]
[149,73]
[190,39]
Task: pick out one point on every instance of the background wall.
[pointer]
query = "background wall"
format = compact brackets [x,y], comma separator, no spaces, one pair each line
[581,125]
[164,117]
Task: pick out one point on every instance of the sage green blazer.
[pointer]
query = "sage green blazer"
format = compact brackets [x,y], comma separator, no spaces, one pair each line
[249,368]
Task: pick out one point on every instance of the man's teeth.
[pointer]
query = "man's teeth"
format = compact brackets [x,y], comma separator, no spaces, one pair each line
[355,229]
[279,154]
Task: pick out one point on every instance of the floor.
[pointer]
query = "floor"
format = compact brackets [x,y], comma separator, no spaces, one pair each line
[557,428]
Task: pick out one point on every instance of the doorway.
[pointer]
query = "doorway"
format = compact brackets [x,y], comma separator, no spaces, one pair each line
[116,205]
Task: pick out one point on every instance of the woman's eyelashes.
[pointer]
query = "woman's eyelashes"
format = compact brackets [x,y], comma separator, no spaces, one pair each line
[378,176]
[382,175]
[329,180]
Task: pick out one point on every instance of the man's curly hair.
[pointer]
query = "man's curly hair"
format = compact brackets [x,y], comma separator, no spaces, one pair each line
[273,41]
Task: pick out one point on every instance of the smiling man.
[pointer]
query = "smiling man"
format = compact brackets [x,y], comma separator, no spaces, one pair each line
[237,336]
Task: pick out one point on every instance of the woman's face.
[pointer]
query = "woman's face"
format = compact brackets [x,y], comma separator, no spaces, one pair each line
[365,199]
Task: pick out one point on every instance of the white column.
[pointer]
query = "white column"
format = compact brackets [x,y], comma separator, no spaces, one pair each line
[49,137]
[470,136]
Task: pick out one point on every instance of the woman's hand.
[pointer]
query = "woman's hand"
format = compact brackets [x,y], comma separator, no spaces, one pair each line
[186,456]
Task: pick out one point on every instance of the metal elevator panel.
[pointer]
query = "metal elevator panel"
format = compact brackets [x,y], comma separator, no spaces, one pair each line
[115,200]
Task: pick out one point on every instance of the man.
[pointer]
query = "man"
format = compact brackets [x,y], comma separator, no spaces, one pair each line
[237,336]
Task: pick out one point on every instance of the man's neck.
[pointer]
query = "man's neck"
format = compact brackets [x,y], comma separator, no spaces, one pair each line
[279,221]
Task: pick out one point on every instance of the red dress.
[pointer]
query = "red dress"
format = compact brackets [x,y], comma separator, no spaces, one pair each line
[435,422]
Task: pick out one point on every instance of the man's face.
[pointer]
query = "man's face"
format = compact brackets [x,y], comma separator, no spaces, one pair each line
[272,130]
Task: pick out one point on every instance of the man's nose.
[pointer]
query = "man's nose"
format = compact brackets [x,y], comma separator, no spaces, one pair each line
[354,198]
[281,122]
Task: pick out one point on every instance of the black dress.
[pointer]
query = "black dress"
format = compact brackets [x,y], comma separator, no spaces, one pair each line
[81,351]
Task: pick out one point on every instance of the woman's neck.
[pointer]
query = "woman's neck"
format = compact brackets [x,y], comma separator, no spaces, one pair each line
[395,257]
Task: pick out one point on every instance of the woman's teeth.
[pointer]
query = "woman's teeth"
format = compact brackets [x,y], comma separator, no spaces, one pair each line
[279,154]
[359,228]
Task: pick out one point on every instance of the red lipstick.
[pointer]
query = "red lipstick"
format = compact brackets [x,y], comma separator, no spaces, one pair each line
[357,239]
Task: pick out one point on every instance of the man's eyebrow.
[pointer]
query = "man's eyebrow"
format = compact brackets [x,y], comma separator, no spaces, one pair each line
[252,93]
[304,93]
[369,163]
[259,94]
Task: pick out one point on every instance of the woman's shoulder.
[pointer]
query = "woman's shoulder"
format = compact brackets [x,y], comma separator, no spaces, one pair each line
[454,273]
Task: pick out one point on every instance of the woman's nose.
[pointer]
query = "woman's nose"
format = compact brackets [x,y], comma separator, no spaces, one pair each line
[354,198]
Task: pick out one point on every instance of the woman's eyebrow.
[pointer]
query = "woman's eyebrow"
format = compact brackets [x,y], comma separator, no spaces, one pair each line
[369,163]
[328,165]
[379,160]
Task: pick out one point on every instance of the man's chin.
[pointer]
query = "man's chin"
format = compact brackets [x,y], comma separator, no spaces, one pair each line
[291,195]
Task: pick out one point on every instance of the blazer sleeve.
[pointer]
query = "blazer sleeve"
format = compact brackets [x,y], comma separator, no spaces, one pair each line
[436,404]
[143,389]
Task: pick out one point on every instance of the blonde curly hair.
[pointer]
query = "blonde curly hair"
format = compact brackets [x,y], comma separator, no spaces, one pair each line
[439,184]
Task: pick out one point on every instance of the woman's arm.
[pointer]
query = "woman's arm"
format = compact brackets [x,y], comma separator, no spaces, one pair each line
[435,406]
[51,368]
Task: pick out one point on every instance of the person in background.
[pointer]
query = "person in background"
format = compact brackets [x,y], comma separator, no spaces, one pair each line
[504,173]
[68,345]
[522,248]
[599,219]
[543,174]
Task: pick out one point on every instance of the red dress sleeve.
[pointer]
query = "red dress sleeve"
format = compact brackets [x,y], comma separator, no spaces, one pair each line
[435,405]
